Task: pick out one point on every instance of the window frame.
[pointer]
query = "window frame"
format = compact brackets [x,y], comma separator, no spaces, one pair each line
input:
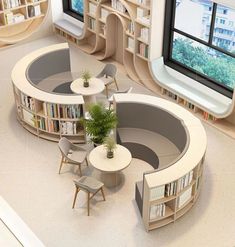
[169,30]
[67,9]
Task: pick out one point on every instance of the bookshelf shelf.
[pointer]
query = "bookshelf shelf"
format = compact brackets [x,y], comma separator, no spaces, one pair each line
[20,20]
[160,223]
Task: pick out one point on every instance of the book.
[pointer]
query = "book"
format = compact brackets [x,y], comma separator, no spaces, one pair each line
[184,197]
[157,193]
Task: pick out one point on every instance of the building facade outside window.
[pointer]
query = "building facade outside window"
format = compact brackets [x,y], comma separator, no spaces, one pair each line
[201,43]
[74,8]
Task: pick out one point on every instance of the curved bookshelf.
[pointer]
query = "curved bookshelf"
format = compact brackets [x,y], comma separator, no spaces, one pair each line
[19,20]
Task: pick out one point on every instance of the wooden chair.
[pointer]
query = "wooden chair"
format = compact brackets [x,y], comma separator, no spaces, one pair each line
[71,154]
[107,75]
[89,185]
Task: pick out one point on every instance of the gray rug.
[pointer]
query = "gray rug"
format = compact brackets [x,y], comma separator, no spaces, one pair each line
[63,88]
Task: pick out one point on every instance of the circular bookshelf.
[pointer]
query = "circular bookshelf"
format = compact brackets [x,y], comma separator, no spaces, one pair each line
[20,20]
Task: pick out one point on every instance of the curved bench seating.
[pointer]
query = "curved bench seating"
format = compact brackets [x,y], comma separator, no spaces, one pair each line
[40,111]
[203,97]
[179,126]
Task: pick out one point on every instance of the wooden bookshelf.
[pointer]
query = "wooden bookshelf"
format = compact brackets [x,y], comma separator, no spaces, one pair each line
[49,120]
[20,20]
[177,202]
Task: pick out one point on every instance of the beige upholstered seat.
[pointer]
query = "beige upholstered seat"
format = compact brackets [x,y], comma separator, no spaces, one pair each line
[71,154]
[90,186]
[107,75]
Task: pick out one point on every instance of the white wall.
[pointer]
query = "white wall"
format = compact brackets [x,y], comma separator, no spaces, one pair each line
[57,13]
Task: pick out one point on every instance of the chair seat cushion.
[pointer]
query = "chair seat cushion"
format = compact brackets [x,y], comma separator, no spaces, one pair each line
[89,183]
[107,80]
[77,156]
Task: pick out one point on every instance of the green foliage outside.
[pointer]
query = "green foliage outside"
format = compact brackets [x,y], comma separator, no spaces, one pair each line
[218,66]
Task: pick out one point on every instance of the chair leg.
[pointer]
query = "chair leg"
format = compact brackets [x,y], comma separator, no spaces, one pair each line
[75,196]
[107,93]
[116,83]
[102,191]
[88,203]
[61,164]
[80,170]
[86,161]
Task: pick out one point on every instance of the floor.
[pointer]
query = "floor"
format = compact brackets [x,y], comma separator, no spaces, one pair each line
[30,184]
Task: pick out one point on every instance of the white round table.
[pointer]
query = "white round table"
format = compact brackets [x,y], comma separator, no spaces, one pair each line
[95,86]
[110,168]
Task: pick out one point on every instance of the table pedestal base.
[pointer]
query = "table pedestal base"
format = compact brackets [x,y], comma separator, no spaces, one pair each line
[89,100]
[111,179]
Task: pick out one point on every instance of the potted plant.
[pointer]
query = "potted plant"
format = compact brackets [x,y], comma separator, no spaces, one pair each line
[100,123]
[86,76]
[110,145]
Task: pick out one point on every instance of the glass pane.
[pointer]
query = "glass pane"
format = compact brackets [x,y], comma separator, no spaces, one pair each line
[205,60]
[77,6]
[194,17]
[224,31]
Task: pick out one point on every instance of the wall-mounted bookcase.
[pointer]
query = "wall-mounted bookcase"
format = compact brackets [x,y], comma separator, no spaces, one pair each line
[49,120]
[135,20]
[20,18]
[166,203]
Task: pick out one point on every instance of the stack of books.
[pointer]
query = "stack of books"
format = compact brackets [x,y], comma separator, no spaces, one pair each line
[185,181]
[69,128]
[92,23]
[34,10]
[144,34]
[53,126]
[131,44]
[170,189]
[185,197]
[28,102]
[157,193]
[50,110]
[130,28]
[143,50]
[11,3]
[116,4]
[70,111]
[104,14]
[13,18]
[92,9]
[157,211]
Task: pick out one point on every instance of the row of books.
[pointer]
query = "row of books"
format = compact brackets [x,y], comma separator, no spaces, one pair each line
[157,211]
[130,28]
[185,197]
[141,13]
[170,189]
[208,116]
[189,105]
[116,4]
[185,181]
[143,50]
[28,102]
[11,18]
[11,3]
[70,128]
[91,23]
[170,94]
[49,125]
[92,8]
[104,14]
[34,10]
[131,44]
[144,34]
[63,111]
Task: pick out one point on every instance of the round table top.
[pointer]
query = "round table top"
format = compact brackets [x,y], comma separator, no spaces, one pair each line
[121,160]
[95,86]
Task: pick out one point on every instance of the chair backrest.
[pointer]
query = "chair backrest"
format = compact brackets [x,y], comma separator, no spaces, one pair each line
[108,70]
[64,146]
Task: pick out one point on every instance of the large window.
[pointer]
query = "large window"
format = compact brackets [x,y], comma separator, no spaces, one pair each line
[201,43]
[74,8]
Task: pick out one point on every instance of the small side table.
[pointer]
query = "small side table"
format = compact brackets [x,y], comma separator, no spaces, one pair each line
[96,86]
[110,168]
